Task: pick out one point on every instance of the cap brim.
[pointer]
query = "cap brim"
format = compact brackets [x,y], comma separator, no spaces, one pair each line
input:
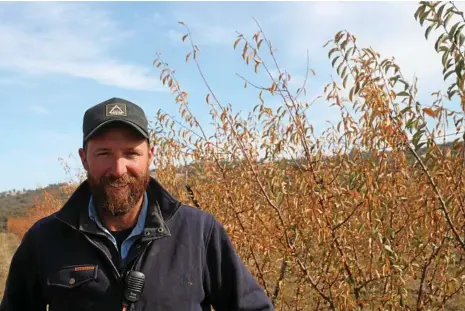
[133,125]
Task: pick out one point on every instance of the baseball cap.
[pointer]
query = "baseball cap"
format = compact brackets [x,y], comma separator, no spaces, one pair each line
[114,110]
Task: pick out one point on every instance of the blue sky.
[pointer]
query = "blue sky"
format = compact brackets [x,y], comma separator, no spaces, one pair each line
[58,59]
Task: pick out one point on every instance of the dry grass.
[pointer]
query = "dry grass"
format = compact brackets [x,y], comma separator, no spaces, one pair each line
[8,244]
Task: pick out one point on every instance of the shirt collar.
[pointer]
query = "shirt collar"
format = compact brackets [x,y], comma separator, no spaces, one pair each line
[140,221]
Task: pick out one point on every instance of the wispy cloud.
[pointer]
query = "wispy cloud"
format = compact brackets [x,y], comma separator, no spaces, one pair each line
[387,27]
[40,110]
[69,39]
[205,34]
[218,30]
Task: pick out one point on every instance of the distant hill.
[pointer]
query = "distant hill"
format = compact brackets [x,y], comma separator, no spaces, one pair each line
[16,202]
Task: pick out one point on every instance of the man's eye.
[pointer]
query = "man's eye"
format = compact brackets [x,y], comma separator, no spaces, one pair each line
[102,153]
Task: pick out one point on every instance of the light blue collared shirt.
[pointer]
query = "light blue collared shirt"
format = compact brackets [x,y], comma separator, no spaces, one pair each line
[126,245]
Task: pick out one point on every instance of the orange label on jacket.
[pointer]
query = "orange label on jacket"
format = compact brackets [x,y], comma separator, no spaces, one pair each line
[86,268]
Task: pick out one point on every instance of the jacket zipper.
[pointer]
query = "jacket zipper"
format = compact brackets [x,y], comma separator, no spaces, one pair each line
[115,270]
[118,275]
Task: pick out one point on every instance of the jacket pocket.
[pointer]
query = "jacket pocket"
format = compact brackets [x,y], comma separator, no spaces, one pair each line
[73,276]
[76,288]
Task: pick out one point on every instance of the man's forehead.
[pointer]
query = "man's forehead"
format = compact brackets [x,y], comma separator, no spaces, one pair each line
[117,137]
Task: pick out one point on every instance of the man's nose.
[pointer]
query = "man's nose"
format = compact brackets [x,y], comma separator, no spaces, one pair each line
[118,168]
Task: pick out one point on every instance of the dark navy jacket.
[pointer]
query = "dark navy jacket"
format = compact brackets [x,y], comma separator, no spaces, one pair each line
[64,261]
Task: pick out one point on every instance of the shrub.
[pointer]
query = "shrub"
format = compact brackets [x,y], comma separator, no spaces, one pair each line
[366,215]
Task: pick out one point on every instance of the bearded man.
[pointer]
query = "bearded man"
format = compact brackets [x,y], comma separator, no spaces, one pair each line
[122,242]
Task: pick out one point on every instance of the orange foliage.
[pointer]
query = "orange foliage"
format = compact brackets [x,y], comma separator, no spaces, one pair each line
[44,205]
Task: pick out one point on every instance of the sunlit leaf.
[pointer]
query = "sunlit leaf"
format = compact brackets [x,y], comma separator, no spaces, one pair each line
[429,112]
[237,42]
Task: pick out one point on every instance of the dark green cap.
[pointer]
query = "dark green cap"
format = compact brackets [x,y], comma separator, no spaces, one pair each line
[114,110]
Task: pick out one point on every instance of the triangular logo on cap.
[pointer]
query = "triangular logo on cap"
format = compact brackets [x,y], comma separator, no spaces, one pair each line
[115,110]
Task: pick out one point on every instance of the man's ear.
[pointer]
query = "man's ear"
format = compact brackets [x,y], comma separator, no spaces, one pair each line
[151,152]
[82,155]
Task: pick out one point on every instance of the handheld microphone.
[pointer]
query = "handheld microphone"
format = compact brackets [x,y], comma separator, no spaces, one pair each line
[135,281]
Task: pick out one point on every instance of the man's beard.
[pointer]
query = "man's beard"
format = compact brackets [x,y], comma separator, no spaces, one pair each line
[114,201]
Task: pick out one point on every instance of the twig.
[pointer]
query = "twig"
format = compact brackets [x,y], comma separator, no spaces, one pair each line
[439,195]
[348,217]
[279,280]
[304,84]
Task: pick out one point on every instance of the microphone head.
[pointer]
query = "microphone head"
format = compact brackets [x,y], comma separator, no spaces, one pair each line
[135,281]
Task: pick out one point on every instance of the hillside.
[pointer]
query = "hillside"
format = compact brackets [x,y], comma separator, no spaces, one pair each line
[15,203]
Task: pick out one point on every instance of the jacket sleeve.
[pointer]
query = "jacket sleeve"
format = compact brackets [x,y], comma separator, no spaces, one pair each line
[22,290]
[229,285]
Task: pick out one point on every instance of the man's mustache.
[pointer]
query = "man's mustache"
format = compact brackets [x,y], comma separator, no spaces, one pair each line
[118,182]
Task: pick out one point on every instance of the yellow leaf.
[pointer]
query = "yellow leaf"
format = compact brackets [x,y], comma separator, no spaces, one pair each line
[184,37]
[208,96]
[244,51]
[236,42]
[272,88]
[187,57]
[430,112]
[248,58]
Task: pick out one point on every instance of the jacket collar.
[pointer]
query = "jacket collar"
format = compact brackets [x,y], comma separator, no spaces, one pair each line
[161,208]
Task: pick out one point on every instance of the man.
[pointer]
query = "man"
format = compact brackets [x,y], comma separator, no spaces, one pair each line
[122,242]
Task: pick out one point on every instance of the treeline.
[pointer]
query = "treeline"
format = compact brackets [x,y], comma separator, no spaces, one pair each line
[16,203]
